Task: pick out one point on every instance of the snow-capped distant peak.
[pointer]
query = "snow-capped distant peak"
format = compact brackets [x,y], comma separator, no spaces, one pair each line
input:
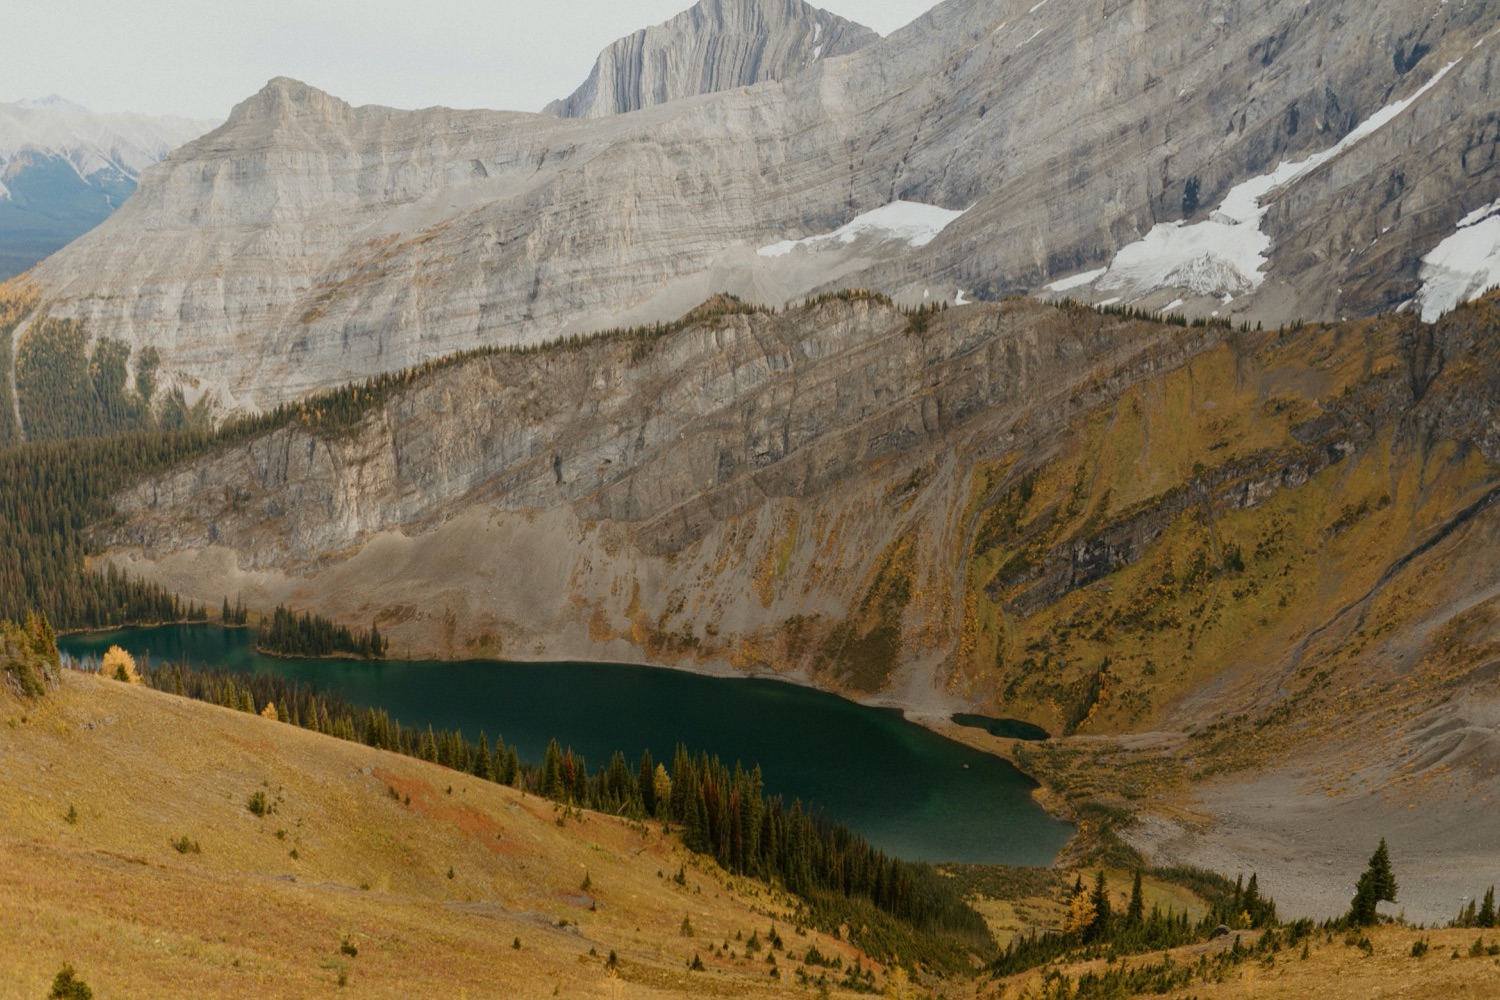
[52,101]
[55,126]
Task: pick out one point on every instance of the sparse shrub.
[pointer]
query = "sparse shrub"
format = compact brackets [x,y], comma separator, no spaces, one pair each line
[71,816]
[450,871]
[696,965]
[613,962]
[293,854]
[185,846]
[349,948]
[687,926]
[259,804]
[1419,947]
[588,882]
[516,944]
[67,986]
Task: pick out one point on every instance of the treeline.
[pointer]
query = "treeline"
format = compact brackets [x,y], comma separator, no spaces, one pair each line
[1121,979]
[50,493]
[288,634]
[16,303]
[1149,316]
[29,659]
[1094,928]
[1477,914]
[723,812]
[66,390]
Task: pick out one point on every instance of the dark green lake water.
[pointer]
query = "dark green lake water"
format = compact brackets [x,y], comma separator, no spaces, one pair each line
[908,790]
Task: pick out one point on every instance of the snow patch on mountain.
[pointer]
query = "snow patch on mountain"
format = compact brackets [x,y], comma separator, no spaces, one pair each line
[1076,281]
[1464,266]
[909,222]
[1227,253]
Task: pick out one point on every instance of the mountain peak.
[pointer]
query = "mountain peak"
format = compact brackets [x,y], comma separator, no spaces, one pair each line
[283,98]
[51,102]
[715,45]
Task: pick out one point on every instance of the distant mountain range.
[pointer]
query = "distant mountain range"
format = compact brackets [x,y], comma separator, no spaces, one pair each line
[64,169]
[1251,163]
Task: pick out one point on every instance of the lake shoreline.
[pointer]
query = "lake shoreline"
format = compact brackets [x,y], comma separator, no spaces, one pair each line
[905,783]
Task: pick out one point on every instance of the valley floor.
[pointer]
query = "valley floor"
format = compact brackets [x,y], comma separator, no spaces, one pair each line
[1308,836]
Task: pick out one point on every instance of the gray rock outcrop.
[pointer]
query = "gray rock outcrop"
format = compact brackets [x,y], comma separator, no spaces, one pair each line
[717,45]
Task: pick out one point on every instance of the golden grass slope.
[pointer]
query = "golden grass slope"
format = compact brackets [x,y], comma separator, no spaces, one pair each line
[128,849]
[1336,967]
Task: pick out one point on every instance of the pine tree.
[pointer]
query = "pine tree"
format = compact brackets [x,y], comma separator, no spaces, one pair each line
[1136,911]
[1376,885]
[1486,915]
[482,758]
[1380,871]
[1102,917]
[552,773]
[645,783]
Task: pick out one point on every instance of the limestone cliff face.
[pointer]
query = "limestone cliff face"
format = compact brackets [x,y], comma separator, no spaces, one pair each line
[717,45]
[1094,523]
[307,243]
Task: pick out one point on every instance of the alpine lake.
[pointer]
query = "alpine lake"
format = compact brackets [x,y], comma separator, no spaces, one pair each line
[911,792]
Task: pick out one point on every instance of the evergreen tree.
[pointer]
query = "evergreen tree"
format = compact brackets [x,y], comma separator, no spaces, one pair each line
[482,767]
[1486,915]
[552,772]
[646,783]
[1376,885]
[1102,916]
[1136,911]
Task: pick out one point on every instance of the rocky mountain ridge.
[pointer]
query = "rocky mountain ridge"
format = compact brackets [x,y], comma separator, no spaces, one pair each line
[307,243]
[716,45]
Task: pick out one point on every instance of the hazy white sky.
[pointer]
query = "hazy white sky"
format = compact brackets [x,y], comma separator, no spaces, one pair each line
[197,58]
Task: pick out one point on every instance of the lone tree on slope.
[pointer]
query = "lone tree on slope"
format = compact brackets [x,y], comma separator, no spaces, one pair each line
[1376,885]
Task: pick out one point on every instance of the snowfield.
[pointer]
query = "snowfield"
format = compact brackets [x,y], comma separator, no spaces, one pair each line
[910,222]
[1226,255]
[1464,266]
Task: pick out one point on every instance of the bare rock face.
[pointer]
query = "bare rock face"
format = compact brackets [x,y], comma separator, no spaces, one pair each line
[1091,522]
[307,243]
[717,45]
